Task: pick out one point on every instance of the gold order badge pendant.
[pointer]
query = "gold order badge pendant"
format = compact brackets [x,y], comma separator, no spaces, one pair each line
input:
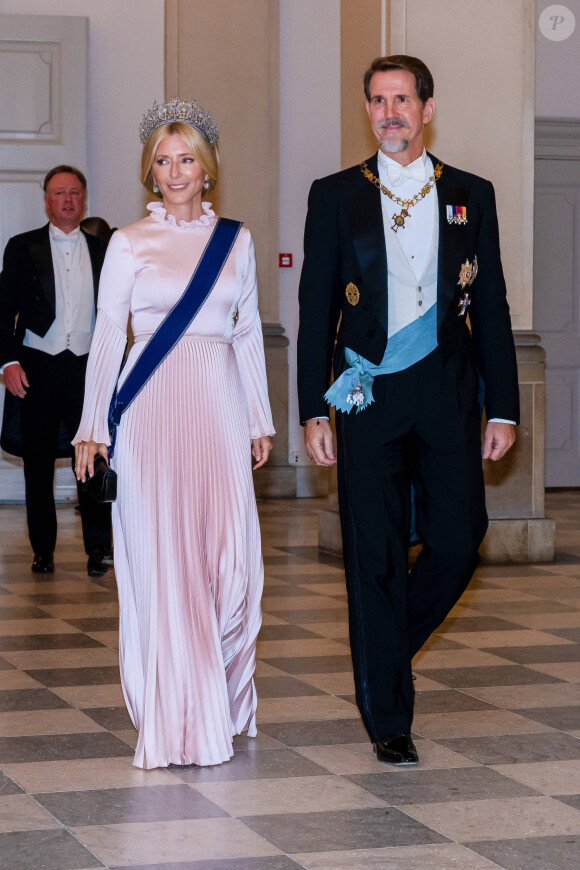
[352,294]
[399,219]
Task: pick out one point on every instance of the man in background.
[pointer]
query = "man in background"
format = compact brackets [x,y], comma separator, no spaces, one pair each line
[48,290]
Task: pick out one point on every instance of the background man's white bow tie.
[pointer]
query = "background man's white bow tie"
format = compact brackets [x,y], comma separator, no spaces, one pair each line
[399,174]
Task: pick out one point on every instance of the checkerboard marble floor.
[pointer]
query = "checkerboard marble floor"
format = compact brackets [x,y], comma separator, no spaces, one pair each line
[497,726]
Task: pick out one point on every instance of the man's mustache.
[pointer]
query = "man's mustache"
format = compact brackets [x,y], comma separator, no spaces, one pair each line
[392,122]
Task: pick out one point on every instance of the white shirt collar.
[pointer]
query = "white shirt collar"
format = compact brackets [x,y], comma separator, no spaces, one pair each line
[417,169]
[59,236]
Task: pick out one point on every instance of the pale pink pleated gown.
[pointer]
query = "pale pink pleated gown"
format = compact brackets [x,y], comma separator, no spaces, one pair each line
[187,541]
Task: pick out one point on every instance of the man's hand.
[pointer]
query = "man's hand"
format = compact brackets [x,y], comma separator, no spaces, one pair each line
[15,380]
[318,442]
[499,437]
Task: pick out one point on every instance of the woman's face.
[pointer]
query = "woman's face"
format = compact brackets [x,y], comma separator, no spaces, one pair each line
[176,172]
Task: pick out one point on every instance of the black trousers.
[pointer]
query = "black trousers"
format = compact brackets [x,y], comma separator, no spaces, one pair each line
[56,393]
[422,429]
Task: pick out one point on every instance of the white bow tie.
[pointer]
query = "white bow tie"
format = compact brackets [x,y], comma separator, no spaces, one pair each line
[399,174]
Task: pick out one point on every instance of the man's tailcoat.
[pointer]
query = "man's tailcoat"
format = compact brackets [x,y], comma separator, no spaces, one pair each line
[28,301]
[422,432]
[344,242]
[40,427]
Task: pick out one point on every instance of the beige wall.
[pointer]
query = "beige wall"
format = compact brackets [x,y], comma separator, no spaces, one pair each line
[363,31]
[482,58]
[225,54]
[310,144]
[125,75]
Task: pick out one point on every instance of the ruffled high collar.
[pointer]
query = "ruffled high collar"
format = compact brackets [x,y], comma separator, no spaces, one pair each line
[160,214]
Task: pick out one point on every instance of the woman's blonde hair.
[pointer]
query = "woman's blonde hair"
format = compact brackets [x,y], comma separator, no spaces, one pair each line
[206,156]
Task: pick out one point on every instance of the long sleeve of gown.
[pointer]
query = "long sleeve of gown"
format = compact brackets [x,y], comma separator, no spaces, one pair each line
[109,340]
[249,349]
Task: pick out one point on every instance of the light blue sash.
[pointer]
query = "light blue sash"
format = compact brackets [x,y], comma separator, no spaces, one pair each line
[354,387]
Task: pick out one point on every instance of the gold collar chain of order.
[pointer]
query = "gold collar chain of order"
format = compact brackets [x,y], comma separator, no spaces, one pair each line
[399,219]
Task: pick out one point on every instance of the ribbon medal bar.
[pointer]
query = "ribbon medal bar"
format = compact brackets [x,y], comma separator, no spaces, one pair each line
[456,214]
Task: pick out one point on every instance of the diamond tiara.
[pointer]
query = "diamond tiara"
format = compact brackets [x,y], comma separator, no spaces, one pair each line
[179,110]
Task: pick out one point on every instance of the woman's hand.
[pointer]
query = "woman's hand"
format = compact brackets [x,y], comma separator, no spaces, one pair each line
[261,450]
[85,452]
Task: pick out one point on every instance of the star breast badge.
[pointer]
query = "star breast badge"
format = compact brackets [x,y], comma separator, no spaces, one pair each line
[467,276]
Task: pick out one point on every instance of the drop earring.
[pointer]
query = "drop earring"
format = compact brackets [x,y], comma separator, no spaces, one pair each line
[206,185]
[155,188]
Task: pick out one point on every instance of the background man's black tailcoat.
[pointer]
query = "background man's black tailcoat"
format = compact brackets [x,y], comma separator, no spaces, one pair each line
[423,428]
[40,427]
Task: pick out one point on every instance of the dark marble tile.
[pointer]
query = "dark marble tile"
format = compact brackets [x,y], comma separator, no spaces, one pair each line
[284,559]
[313,579]
[562,718]
[329,733]
[312,664]
[284,687]
[267,764]
[22,643]
[70,598]
[107,582]
[95,623]
[8,787]
[502,675]
[61,747]
[314,615]
[275,862]
[5,666]
[27,611]
[16,700]
[476,623]
[243,743]
[441,786]
[572,800]
[507,569]
[286,591]
[313,554]
[118,806]
[77,676]
[341,830]
[111,718]
[533,655]
[285,632]
[15,558]
[438,641]
[563,558]
[515,607]
[516,748]
[351,699]
[531,853]
[448,701]
[567,633]
[44,850]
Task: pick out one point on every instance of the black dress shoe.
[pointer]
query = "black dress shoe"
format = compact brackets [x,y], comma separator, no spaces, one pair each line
[43,563]
[96,566]
[108,557]
[396,749]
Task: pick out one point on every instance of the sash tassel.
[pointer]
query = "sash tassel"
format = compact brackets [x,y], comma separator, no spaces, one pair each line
[354,387]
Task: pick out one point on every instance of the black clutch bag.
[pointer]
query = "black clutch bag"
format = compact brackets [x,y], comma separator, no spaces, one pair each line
[102,486]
